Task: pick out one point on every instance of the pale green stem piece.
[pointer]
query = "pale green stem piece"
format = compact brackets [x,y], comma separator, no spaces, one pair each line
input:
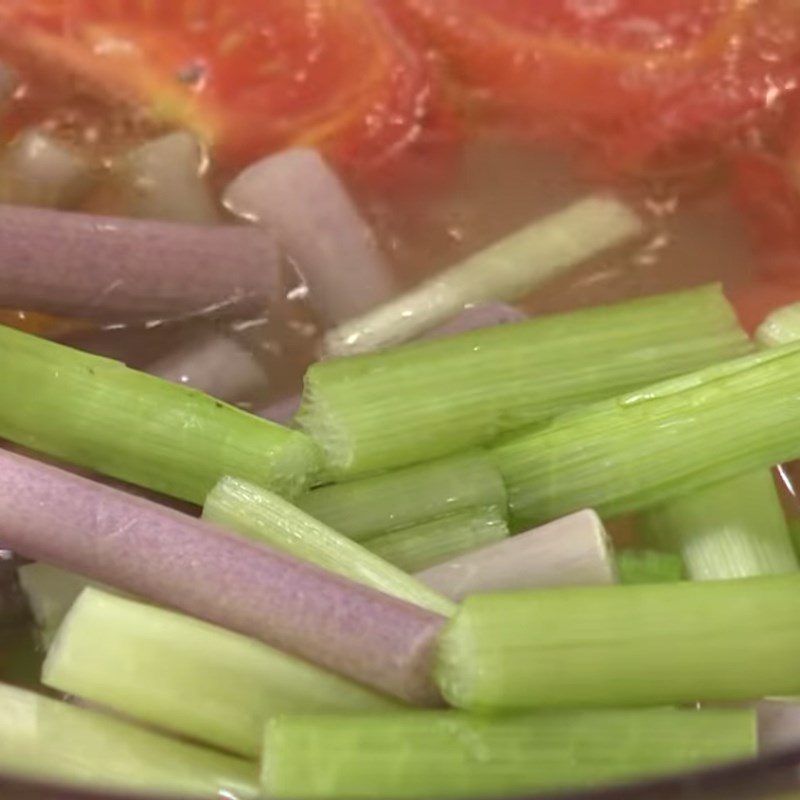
[51,740]
[265,517]
[186,676]
[450,754]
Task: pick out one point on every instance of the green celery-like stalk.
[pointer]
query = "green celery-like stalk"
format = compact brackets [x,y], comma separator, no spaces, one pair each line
[736,528]
[363,509]
[97,413]
[51,740]
[452,754]
[188,677]
[50,593]
[422,546]
[506,270]
[657,443]
[418,402]
[733,529]
[264,516]
[648,566]
[617,646]
[780,327]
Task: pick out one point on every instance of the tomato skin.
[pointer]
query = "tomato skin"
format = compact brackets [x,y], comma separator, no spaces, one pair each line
[770,206]
[674,85]
[249,76]
[756,301]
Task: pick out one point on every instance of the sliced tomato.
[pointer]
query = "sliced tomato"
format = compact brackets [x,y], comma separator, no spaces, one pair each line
[250,76]
[755,302]
[633,79]
[770,204]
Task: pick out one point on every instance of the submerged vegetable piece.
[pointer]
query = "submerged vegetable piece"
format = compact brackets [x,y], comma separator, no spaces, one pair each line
[215,364]
[574,550]
[451,754]
[612,646]
[297,196]
[50,593]
[415,403]
[188,677]
[636,81]
[369,507]
[38,170]
[262,516]
[648,566]
[282,411]
[97,413]
[174,560]
[164,179]
[485,315]
[733,529]
[504,271]
[250,77]
[51,740]
[434,542]
[659,442]
[121,270]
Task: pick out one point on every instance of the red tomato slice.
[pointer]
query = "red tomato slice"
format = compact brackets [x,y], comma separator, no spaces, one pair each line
[755,302]
[770,204]
[251,76]
[634,79]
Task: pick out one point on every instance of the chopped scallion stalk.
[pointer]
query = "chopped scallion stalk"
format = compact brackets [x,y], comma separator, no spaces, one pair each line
[504,271]
[574,550]
[366,508]
[430,543]
[47,739]
[137,270]
[174,560]
[38,170]
[782,326]
[163,179]
[298,196]
[617,646]
[733,529]
[99,414]
[659,442]
[418,402]
[264,516]
[188,677]
[475,318]
[648,566]
[50,593]
[450,754]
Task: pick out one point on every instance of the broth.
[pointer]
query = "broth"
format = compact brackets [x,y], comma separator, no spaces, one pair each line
[496,184]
